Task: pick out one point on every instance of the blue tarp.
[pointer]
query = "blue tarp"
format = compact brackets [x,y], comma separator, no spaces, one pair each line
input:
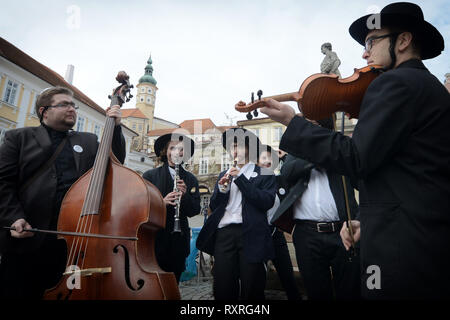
[191,265]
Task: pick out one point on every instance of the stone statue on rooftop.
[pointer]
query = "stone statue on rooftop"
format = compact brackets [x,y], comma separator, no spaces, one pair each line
[331,61]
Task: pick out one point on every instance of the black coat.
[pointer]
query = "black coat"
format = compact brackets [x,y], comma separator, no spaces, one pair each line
[294,179]
[22,153]
[258,196]
[400,153]
[189,207]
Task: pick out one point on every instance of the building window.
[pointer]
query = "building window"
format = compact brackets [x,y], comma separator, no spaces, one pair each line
[149,100]
[203,168]
[278,133]
[225,163]
[134,126]
[33,105]
[150,90]
[142,99]
[204,201]
[140,127]
[143,89]
[11,92]
[97,130]
[80,124]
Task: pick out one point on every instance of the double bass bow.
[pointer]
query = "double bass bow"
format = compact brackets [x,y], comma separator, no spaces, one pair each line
[115,201]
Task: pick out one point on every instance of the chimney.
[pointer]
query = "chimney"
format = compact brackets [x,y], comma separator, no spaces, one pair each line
[69,74]
[447,81]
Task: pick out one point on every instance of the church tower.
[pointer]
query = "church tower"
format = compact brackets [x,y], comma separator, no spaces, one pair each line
[146,93]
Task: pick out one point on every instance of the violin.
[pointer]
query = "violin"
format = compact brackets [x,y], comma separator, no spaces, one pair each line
[321,95]
[109,219]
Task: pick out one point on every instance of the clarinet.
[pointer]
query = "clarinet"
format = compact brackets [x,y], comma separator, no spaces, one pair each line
[231,178]
[176,224]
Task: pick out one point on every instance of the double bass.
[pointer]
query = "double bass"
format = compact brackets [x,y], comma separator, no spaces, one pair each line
[109,219]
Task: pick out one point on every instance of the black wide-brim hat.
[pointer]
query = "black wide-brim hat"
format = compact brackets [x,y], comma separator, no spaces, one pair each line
[403,15]
[162,141]
[239,134]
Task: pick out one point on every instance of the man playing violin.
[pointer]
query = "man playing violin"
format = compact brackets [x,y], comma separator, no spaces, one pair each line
[32,262]
[399,153]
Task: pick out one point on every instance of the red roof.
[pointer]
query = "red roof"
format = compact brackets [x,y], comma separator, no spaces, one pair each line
[135,113]
[20,58]
[190,125]
[203,124]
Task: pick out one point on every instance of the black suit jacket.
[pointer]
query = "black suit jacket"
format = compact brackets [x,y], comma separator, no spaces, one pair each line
[400,153]
[258,196]
[189,207]
[293,181]
[22,153]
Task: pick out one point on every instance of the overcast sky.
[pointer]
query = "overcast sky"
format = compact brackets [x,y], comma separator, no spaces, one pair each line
[207,55]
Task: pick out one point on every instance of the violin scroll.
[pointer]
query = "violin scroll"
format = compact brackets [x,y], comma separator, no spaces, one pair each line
[321,95]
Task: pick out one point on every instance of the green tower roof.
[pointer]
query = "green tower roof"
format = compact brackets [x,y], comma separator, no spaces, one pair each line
[148,76]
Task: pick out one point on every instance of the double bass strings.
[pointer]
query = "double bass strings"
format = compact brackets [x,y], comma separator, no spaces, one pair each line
[86,217]
[97,182]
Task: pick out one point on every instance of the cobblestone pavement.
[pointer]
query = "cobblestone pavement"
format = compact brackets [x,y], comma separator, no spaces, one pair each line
[201,289]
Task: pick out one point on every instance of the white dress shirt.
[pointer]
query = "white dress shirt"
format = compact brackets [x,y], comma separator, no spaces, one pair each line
[172,172]
[317,202]
[233,210]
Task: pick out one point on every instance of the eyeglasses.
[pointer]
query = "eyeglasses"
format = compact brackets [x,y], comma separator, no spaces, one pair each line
[65,105]
[369,41]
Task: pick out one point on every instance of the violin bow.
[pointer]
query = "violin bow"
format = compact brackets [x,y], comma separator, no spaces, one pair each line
[344,184]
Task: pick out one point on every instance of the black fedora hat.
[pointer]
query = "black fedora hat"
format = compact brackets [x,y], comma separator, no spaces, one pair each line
[241,135]
[403,15]
[162,141]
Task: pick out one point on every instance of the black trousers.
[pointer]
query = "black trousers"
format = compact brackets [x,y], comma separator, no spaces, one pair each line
[234,277]
[28,275]
[325,266]
[170,251]
[283,265]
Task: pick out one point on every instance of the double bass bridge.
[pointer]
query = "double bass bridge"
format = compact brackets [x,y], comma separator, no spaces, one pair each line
[88,272]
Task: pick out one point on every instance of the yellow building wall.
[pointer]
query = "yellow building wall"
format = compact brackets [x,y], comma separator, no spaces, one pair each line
[2,86]
[9,113]
[267,132]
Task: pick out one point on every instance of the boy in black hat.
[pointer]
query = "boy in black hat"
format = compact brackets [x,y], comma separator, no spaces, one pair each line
[237,233]
[399,152]
[267,160]
[173,247]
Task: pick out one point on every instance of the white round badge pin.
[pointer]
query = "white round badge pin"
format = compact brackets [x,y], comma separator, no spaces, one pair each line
[78,148]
